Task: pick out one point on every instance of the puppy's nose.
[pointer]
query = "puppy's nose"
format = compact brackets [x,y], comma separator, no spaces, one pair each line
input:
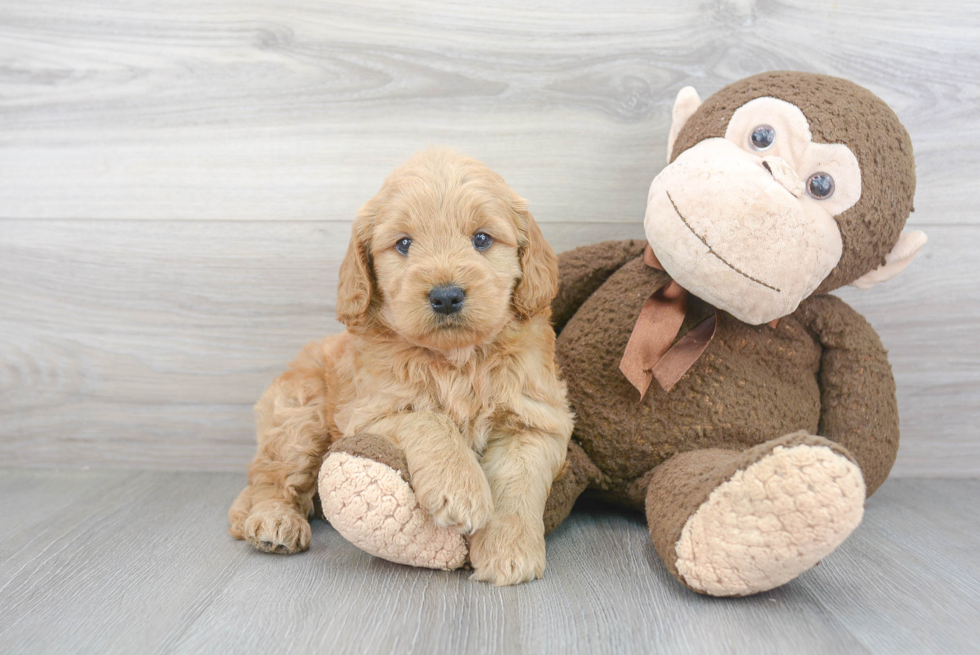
[446,300]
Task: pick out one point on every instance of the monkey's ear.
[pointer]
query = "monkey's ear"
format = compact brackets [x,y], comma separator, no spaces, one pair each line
[685,104]
[908,246]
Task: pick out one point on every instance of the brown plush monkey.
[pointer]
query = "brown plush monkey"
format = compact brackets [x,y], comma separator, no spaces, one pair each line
[717,387]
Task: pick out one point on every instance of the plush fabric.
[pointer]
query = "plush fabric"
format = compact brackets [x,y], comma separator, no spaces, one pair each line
[687,492]
[371,446]
[756,464]
[753,383]
[585,270]
[839,111]
[726,233]
[368,499]
[822,370]
[771,521]
[579,472]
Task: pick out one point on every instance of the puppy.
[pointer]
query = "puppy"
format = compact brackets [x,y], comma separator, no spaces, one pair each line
[448,354]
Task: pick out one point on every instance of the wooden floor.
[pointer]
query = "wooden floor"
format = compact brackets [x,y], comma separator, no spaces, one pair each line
[126,562]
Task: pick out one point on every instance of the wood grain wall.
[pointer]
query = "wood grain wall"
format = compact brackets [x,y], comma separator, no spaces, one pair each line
[177,180]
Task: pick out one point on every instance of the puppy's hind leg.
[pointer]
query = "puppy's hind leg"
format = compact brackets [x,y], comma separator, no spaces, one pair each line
[295,423]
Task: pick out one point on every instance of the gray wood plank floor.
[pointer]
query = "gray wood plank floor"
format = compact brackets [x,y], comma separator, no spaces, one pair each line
[120,562]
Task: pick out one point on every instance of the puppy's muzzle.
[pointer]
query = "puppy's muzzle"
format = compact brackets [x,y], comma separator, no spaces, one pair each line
[446,299]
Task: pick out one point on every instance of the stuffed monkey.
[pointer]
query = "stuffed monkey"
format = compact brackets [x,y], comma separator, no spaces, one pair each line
[717,386]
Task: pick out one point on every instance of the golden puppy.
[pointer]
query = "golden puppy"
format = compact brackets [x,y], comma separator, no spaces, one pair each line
[445,291]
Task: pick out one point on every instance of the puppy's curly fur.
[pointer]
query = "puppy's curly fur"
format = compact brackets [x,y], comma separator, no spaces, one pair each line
[472,397]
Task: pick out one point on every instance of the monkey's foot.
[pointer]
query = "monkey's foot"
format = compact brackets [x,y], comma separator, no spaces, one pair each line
[771,521]
[366,498]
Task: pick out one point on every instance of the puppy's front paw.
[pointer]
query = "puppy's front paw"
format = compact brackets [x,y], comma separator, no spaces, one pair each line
[508,551]
[456,496]
[275,526]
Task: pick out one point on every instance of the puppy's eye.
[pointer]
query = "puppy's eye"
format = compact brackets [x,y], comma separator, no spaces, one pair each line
[762,137]
[482,240]
[403,245]
[820,186]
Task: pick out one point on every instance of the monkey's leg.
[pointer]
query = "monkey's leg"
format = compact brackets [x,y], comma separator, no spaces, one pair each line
[366,494]
[730,523]
[294,418]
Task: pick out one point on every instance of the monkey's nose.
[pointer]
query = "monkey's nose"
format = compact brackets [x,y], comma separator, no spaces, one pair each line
[783,173]
[446,299]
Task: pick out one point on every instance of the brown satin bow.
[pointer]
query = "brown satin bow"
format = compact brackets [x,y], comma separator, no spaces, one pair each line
[649,353]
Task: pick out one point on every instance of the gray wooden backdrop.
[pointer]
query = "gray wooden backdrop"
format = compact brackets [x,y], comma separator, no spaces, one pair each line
[177,181]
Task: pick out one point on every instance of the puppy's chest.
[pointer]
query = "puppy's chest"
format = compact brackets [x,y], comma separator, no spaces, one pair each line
[469,396]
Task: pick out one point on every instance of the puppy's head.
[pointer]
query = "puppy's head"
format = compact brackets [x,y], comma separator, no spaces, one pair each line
[446,254]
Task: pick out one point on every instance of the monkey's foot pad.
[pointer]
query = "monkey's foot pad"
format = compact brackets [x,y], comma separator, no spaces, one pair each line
[771,521]
[372,507]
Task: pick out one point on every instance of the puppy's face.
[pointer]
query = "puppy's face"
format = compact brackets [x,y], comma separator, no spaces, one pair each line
[446,262]
[450,254]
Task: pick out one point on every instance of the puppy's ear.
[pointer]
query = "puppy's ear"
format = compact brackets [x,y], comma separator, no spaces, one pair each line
[356,273]
[538,285]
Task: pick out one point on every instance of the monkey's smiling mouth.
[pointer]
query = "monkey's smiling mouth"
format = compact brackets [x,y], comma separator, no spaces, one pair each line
[712,250]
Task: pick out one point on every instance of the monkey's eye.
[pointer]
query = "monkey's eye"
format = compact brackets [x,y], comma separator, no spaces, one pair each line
[482,240]
[403,245]
[820,186]
[762,137]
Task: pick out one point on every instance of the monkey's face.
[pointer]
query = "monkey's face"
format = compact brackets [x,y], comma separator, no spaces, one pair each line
[747,221]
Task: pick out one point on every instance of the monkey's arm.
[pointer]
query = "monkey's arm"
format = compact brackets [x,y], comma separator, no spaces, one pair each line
[583,270]
[857,390]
